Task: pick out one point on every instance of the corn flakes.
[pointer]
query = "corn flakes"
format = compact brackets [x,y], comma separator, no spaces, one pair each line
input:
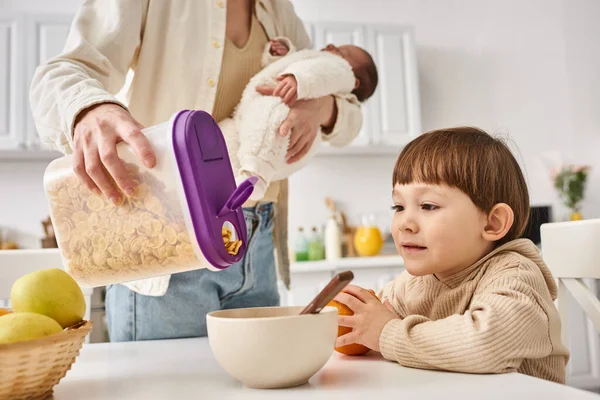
[143,236]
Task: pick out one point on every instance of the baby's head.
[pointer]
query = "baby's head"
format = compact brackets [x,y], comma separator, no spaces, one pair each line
[363,66]
[458,193]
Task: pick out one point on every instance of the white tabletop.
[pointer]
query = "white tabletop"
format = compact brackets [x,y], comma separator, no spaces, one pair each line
[185,369]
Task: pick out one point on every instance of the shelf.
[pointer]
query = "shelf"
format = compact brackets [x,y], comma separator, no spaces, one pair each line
[389,261]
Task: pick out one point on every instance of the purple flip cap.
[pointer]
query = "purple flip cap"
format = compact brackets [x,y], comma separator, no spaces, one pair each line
[209,185]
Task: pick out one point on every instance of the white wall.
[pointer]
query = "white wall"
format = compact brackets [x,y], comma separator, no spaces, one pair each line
[582,33]
[22,201]
[525,68]
[522,68]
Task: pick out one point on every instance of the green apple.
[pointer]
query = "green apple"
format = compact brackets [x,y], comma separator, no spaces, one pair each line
[17,327]
[51,292]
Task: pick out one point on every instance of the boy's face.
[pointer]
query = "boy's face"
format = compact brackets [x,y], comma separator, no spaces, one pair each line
[437,229]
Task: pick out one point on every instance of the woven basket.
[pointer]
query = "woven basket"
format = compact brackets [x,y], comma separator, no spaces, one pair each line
[30,369]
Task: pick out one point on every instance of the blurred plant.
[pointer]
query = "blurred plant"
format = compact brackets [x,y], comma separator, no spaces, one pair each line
[570,181]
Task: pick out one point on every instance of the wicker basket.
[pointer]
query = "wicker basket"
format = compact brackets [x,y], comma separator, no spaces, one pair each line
[30,369]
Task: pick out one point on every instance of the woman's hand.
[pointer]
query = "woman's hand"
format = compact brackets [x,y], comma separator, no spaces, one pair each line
[98,129]
[369,319]
[303,122]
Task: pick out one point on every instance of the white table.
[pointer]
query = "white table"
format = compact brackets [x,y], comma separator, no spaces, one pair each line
[185,369]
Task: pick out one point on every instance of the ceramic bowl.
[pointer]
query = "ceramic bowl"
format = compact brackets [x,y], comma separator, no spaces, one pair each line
[272,347]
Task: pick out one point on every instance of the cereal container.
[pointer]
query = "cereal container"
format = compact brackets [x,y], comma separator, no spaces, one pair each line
[186,213]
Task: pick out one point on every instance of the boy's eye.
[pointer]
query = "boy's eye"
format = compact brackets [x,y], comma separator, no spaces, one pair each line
[397,208]
[429,207]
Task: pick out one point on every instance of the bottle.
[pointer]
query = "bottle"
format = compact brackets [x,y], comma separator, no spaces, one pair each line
[368,240]
[333,239]
[301,248]
[316,250]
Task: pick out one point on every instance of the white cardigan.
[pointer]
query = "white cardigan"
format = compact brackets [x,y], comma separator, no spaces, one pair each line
[175,48]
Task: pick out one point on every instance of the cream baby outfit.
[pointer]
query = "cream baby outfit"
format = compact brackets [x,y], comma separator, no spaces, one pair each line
[252,134]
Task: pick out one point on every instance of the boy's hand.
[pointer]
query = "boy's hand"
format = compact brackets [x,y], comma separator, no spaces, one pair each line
[287,89]
[369,319]
[278,48]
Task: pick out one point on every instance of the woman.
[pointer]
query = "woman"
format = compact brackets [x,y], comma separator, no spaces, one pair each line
[185,54]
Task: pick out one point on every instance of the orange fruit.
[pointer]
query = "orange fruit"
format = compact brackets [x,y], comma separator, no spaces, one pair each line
[353,349]
[4,311]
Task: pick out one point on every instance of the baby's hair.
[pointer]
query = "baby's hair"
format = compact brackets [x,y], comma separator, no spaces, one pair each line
[472,161]
[367,74]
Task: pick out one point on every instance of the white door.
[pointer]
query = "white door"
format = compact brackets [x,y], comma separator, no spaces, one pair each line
[396,103]
[46,35]
[339,34]
[11,95]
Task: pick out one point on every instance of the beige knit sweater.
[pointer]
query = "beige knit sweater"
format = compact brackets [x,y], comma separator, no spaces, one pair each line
[495,316]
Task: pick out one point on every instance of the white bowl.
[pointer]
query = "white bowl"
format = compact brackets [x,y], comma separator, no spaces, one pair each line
[272,347]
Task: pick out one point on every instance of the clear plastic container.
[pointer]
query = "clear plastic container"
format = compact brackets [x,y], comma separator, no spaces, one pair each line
[186,213]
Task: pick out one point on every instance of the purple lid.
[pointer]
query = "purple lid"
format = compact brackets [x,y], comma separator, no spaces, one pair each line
[209,185]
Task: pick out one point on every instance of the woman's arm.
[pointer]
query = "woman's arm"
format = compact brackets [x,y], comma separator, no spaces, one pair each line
[93,66]
[72,94]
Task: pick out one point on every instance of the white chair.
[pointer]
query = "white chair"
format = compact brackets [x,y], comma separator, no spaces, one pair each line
[571,250]
[16,263]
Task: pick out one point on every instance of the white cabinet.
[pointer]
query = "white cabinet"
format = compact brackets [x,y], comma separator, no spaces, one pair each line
[396,115]
[10,77]
[392,116]
[46,36]
[345,33]
[26,41]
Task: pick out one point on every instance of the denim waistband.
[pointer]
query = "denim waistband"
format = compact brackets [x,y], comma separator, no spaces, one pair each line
[263,209]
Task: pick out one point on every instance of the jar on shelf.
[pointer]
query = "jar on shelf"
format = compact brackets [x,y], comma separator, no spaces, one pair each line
[368,240]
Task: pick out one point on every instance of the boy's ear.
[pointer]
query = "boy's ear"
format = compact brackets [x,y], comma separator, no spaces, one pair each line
[356,83]
[499,221]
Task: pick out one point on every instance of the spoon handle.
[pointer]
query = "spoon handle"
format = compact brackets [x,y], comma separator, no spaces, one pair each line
[334,286]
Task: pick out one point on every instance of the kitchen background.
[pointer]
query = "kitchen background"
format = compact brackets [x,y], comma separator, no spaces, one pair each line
[525,69]
[528,69]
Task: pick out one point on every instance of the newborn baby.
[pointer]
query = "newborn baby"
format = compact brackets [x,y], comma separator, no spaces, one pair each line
[252,133]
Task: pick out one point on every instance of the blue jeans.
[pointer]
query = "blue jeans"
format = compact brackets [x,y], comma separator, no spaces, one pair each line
[181,312]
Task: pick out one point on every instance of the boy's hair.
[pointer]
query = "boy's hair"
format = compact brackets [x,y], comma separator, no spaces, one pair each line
[368,77]
[472,161]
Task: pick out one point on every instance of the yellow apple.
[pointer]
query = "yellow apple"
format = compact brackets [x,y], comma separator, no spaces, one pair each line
[17,327]
[51,292]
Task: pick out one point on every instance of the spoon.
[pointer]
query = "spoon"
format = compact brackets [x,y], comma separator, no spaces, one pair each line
[334,286]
